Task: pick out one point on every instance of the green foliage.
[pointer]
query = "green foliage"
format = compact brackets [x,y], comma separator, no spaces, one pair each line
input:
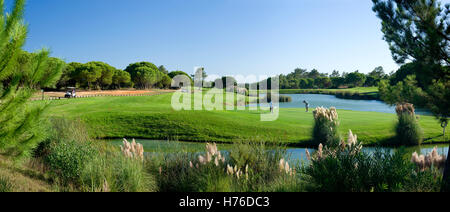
[402,92]
[419,31]
[415,29]
[264,170]
[39,70]
[146,75]
[121,79]
[94,75]
[67,150]
[70,76]
[355,79]
[302,79]
[176,73]
[20,74]
[325,132]
[112,172]
[75,161]
[68,159]
[380,171]
[408,131]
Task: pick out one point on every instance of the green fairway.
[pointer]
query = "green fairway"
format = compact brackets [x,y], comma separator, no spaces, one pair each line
[152,117]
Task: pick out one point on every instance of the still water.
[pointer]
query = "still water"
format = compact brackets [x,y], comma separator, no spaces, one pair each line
[318,100]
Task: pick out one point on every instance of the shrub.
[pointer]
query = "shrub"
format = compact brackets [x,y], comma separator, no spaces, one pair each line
[326,123]
[6,184]
[408,131]
[62,130]
[67,160]
[349,169]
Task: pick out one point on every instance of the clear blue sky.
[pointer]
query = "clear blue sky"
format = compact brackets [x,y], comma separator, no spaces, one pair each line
[227,37]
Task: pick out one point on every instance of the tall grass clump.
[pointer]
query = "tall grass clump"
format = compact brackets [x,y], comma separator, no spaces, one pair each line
[246,168]
[326,123]
[6,184]
[408,131]
[115,172]
[429,161]
[349,169]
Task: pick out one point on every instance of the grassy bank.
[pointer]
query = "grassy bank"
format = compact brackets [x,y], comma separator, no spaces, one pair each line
[152,117]
[25,177]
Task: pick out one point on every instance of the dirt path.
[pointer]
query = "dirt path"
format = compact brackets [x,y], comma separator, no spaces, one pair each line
[47,95]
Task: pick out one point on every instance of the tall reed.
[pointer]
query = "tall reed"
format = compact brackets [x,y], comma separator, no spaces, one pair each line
[326,123]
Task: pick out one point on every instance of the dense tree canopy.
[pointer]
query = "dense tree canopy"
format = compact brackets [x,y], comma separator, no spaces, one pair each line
[147,75]
[29,63]
[100,75]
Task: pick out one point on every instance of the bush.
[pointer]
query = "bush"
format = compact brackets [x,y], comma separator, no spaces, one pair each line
[408,131]
[67,160]
[326,125]
[352,170]
[62,130]
[6,184]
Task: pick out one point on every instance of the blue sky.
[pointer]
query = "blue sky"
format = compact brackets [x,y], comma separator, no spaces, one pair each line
[227,37]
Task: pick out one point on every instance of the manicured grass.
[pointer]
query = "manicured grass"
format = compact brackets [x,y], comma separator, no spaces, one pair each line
[152,117]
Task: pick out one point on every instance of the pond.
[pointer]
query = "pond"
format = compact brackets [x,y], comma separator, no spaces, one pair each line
[294,153]
[318,100]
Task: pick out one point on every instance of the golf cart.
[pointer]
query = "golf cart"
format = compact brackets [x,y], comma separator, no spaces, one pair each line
[71,93]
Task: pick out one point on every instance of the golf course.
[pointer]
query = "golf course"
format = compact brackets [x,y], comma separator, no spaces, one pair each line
[152,117]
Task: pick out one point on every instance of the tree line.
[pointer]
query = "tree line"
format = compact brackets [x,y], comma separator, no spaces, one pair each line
[304,79]
[99,75]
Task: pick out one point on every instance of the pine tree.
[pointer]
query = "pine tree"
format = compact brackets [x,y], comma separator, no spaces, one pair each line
[418,31]
[20,121]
